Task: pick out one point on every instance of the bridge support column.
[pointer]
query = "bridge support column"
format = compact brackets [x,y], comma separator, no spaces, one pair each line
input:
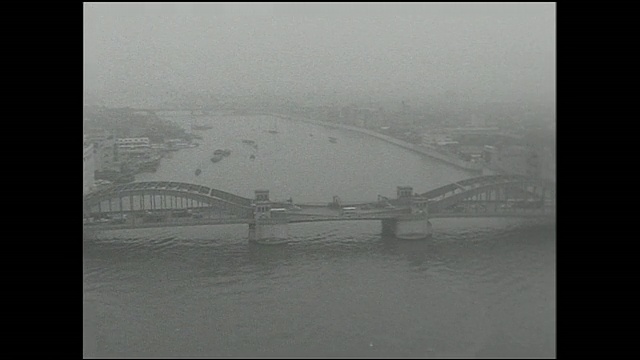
[413,228]
[389,227]
[407,228]
[268,230]
[269,225]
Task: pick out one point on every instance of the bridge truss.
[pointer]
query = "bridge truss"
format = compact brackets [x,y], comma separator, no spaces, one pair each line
[165,196]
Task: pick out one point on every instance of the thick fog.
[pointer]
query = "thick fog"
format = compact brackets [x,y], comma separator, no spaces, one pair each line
[150,51]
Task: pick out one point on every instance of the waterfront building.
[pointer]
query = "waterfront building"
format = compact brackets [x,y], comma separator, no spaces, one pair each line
[133,143]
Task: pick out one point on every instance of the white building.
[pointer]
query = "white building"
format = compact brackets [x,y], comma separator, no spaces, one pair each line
[133,143]
[88,168]
[132,147]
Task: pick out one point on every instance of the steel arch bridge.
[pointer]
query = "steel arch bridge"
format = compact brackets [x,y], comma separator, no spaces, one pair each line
[161,204]
[164,195]
[491,194]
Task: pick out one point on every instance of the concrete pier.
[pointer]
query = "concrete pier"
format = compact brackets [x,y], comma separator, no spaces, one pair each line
[268,230]
[412,226]
[271,224]
[407,227]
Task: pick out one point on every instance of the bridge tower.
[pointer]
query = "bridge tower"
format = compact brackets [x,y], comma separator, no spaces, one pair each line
[412,225]
[404,194]
[336,203]
[268,223]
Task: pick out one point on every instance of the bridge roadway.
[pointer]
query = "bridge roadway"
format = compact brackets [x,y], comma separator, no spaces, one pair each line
[306,218]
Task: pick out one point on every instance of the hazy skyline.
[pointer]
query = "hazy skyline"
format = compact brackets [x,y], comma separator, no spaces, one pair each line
[488,51]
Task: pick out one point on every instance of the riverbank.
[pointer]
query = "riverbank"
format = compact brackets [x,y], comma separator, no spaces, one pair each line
[422,149]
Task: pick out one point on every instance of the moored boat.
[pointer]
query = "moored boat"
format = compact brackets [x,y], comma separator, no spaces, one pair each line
[220,152]
[216,158]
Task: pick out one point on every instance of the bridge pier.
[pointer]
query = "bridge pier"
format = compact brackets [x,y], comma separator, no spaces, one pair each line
[389,227]
[270,225]
[412,226]
[407,227]
[265,231]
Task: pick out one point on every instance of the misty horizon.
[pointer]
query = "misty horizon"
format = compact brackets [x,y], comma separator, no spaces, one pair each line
[153,52]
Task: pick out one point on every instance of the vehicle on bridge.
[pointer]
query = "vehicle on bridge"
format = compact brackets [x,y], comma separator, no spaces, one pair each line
[349,211]
[118,219]
[278,213]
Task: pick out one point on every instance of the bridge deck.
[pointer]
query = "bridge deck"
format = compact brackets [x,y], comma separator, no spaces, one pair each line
[306,219]
[455,200]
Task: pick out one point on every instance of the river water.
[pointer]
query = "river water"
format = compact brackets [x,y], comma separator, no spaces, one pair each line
[478,288]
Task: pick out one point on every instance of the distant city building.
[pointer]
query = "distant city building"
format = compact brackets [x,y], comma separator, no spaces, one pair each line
[88,168]
[104,147]
[533,156]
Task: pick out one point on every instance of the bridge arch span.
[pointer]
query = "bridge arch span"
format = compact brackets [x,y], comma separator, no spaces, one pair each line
[490,189]
[202,196]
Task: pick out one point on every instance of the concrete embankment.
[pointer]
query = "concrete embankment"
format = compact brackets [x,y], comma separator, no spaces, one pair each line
[422,149]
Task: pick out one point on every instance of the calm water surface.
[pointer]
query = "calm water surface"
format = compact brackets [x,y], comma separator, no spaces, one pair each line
[479,288]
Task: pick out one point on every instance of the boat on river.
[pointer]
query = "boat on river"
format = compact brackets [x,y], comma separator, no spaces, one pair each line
[223,153]
[216,158]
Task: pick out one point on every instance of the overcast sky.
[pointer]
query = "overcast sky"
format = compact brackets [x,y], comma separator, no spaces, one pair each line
[494,51]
